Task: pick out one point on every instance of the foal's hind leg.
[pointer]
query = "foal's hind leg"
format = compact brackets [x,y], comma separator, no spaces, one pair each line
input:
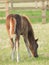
[12,46]
[13,49]
[27,46]
[11,41]
[17,48]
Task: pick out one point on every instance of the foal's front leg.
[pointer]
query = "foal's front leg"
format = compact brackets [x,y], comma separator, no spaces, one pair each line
[27,46]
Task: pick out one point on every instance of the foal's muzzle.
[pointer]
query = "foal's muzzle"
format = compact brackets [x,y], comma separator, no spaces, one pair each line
[35,55]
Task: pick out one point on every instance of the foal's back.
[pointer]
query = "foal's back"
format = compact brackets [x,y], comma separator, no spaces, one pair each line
[19,23]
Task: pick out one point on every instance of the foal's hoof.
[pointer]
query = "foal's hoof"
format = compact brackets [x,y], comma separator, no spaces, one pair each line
[18,58]
[12,57]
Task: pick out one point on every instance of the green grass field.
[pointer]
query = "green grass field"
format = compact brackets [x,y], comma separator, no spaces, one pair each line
[41,32]
[29,13]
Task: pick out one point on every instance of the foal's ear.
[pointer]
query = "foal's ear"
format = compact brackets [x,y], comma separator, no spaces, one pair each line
[36,40]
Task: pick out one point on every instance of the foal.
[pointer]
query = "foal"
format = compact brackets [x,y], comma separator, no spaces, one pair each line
[19,25]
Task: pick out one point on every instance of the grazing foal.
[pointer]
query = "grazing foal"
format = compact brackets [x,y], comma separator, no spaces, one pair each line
[19,25]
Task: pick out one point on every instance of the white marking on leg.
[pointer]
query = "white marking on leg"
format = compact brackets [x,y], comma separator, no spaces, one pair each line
[13,54]
[17,50]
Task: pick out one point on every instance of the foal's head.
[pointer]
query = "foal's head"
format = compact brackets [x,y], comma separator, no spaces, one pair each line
[34,48]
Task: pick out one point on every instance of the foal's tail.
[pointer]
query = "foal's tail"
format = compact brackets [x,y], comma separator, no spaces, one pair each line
[10,23]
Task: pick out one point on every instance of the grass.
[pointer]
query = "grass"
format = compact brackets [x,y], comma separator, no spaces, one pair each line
[29,13]
[41,32]
[2,21]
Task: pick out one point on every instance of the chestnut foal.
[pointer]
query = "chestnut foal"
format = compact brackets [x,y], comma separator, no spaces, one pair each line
[20,25]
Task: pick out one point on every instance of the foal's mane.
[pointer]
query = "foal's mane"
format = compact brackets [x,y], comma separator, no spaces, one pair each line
[31,32]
